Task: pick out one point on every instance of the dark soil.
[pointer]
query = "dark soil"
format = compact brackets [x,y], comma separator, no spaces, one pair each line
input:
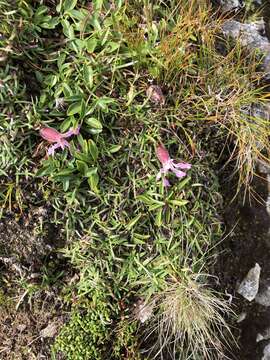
[247,243]
[31,301]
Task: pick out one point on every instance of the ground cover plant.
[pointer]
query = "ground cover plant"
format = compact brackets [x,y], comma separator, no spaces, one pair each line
[93,94]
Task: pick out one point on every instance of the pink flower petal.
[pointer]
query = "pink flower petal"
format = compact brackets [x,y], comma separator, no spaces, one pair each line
[71,132]
[52,148]
[64,143]
[179,173]
[182,165]
[165,182]
[50,134]
[162,154]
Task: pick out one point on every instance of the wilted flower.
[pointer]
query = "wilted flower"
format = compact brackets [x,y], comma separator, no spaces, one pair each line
[60,103]
[56,138]
[169,164]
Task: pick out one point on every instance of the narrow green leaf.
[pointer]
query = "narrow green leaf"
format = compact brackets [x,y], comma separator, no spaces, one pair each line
[178,202]
[132,222]
[114,148]
[93,181]
[93,150]
[158,219]
[88,75]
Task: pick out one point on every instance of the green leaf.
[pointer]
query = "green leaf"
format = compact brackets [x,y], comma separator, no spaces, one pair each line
[94,131]
[74,108]
[93,150]
[59,6]
[41,10]
[91,171]
[178,202]
[112,46]
[98,4]
[181,184]
[69,4]
[67,90]
[66,185]
[44,171]
[93,181]
[77,14]
[82,167]
[132,222]
[94,123]
[65,172]
[103,103]
[114,148]
[148,200]
[79,44]
[88,75]
[159,217]
[68,29]
[91,44]
[50,24]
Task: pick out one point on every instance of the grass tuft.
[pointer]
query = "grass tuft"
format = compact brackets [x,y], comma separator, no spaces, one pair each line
[190,321]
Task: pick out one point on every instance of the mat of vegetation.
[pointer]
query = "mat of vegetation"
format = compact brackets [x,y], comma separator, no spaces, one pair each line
[100,258]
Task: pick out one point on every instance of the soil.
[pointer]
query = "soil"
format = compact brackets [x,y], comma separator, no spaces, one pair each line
[31,312]
[247,243]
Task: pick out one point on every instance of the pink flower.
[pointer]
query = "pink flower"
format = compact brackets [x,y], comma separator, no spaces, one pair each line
[169,164]
[56,138]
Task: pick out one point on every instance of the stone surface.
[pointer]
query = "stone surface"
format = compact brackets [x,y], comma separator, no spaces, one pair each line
[265,335]
[263,167]
[230,5]
[143,311]
[266,352]
[250,35]
[155,94]
[49,331]
[263,296]
[250,285]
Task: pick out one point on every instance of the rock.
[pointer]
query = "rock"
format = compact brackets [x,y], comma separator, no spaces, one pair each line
[143,311]
[263,166]
[49,331]
[155,94]
[230,5]
[241,317]
[266,352]
[250,285]
[21,327]
[265,335]
[250,35]
[263,296]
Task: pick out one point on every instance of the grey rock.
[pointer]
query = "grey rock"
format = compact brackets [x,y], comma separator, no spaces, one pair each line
[250,35]
[230,5]
[263,296]
[49,331]
[155,94]
[143,311]
[266,352]
[265,335]
[250,285]
[263,167]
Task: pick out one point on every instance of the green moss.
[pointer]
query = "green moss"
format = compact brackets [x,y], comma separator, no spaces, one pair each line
[86,334]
